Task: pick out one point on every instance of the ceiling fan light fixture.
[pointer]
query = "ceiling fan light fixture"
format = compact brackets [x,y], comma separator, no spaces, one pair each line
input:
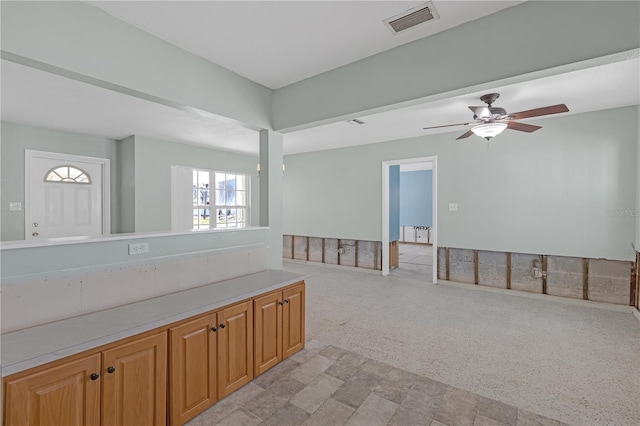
[489,130]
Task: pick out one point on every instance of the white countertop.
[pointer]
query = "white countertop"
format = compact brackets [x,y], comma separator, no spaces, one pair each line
[39,345]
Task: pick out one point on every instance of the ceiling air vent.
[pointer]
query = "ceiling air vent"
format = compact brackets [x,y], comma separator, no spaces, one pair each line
[411,18]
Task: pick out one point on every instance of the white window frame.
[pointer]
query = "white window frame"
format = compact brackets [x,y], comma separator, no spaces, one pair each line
[181,215]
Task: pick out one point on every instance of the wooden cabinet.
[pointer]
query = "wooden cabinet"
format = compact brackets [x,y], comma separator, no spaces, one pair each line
[133,379]
[211,357]
[68,394]
[125,383]
[135,382]
[279,326]
[267,332]
[192,365]
[235,347]
[293,320]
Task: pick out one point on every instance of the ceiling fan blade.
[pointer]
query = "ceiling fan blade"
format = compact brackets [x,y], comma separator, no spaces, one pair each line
[465,135]
[553,109]
[447,125]
[481,111]
[522,127]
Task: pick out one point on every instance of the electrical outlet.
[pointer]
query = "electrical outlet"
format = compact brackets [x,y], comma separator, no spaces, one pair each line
[341,250]
[15,206]
[453,207]
[138,248]
[537,273]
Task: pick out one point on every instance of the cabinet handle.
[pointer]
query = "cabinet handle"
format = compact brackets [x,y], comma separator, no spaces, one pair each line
[214,329]
[222,326]
[280,303]
[286,300]
[111,369]
[94,376]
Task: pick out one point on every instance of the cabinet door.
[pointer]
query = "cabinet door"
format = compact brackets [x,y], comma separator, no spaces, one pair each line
[235,347]
[135,383]
[192,365]
[267,332]
[63,395]
[293,320]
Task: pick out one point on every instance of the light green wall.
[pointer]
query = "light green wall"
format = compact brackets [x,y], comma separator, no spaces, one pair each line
[140,174]
[153,161]
[547,192]
[96,256]
[83,39]
[532,36]
[126,184]
[15,139]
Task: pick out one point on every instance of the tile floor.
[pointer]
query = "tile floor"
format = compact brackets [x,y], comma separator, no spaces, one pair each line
[325,385]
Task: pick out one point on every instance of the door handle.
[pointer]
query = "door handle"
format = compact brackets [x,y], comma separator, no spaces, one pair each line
[35,234]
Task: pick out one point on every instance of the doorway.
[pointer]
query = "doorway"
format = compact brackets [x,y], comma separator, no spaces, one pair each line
[67,196]
[386,209]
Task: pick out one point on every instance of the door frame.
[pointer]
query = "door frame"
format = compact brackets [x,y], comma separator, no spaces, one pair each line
[385,210]
[105,164]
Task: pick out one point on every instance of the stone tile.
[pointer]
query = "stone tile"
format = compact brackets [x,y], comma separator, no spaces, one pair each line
[346,366]
[333,352]
[374,367]
[244,394]
[313,396]
[332,413]
[231,403]
[373,411]
[357,388]
[311,369]
[276,372]
[287,415]
[526,418]
[395,385]
[458,407]
[418,408]
[305,354]
[486,421]
[239,417]
[430,387]
[496,410]
[275,396]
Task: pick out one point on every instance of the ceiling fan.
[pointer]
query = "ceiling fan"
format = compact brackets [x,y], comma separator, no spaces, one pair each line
[490,121]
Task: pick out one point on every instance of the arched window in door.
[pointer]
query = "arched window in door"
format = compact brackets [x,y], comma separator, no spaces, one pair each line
[68,174]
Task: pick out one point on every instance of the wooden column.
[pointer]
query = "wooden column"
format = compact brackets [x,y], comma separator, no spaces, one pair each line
[476,274]
[544,274]
[447,263]
[508,271]
[585,279]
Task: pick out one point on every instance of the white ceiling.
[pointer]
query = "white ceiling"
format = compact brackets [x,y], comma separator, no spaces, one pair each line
[592,89]
[42,99]
[276,43]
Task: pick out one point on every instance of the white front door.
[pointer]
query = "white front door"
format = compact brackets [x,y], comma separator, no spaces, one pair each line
[64,196]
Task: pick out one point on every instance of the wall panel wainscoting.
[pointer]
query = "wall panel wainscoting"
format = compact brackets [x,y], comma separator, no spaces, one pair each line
[599,280]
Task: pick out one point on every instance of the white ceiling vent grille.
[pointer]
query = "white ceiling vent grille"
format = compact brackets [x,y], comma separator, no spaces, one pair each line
[411,18]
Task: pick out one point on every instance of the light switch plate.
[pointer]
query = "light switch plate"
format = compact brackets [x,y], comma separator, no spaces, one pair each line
[453,207]
[15,206]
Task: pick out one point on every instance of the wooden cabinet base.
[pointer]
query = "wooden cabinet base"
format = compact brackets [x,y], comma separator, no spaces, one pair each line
[206,358]
[65,395]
